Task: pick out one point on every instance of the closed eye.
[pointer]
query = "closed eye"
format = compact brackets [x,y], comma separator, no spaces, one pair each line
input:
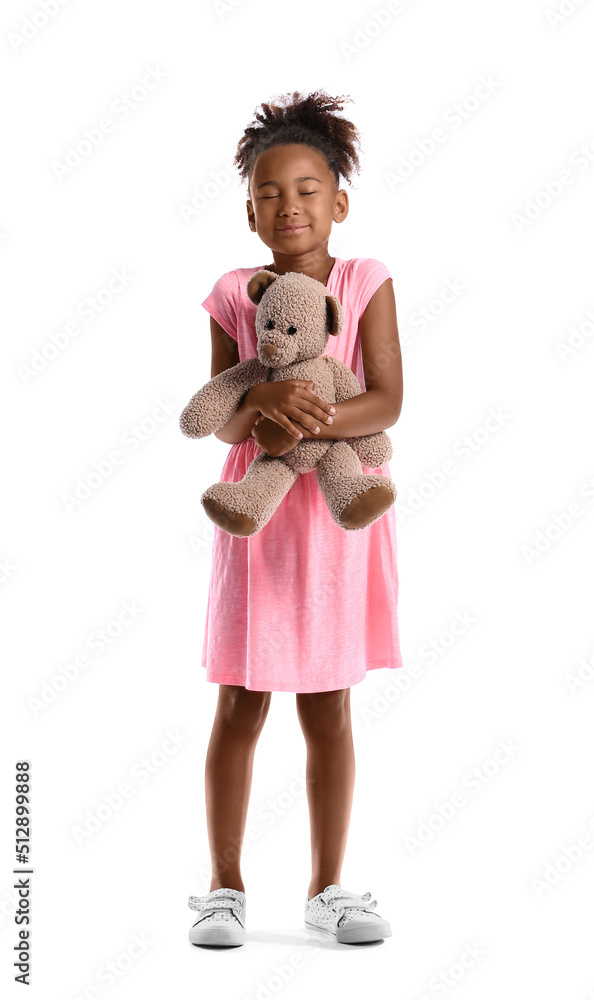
[264,196]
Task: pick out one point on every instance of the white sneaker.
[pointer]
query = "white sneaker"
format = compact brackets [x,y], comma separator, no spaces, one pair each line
[345,916]
[222,918]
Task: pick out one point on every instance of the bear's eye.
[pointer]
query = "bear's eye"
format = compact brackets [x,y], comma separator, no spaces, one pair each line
[269,324]
[292,330]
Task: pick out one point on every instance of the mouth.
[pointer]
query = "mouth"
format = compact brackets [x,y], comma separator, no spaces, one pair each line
[291,229]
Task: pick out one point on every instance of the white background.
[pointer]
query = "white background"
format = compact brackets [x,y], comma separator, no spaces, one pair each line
[503,541]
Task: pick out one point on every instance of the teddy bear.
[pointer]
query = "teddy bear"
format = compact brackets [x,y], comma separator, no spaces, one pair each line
[294,320]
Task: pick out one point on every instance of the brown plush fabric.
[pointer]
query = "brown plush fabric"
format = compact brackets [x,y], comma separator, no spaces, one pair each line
[295,317]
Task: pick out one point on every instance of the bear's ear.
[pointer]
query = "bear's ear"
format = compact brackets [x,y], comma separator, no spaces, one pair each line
[334,316]
[258,284]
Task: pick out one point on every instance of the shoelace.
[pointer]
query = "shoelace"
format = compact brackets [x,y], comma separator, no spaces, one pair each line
[222,902]
[348,901]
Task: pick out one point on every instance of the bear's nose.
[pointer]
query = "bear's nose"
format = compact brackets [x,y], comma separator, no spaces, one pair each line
[269,350]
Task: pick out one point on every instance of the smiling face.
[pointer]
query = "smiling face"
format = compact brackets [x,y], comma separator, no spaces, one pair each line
[294,199]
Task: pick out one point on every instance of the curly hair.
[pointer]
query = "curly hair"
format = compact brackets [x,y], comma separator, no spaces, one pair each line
[310,120]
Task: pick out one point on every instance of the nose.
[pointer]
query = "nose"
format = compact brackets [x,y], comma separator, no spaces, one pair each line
[269,350]
[287,206]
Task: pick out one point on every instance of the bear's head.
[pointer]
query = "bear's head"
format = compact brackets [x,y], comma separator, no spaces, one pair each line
[295,317]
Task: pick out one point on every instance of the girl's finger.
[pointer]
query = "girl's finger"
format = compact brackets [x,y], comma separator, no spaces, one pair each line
[288,426]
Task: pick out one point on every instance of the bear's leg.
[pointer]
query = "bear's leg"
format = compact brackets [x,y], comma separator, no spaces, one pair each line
[354,500]
[373,450]
[245,507]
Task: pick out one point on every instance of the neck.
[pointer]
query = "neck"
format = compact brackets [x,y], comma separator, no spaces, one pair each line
[315,263]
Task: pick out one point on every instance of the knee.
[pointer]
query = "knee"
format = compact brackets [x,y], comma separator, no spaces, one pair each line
[324,713]
[242,710]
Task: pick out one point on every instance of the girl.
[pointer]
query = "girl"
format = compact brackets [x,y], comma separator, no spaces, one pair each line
[303,605]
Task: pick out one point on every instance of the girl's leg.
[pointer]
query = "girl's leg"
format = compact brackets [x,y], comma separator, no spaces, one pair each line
[325,719]
[238,722]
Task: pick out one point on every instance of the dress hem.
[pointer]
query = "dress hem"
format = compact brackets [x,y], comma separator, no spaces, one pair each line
[216,678]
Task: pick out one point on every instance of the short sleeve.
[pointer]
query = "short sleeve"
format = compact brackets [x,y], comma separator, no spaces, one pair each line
[371,273]
[221,302]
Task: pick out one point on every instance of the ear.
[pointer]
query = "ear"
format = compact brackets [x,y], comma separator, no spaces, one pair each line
[334,316]
[258,284]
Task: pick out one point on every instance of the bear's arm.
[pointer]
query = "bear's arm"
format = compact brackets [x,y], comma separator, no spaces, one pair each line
[346,383]
[374,450]
[214,404]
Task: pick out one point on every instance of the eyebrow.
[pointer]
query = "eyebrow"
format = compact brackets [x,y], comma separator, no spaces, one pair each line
[297,179]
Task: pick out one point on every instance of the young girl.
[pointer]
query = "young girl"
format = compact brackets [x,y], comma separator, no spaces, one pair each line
[303,605]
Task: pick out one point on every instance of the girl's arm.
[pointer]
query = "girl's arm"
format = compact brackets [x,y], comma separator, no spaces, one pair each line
[379,407]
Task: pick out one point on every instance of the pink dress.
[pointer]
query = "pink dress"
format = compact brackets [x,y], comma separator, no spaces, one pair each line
[303,605]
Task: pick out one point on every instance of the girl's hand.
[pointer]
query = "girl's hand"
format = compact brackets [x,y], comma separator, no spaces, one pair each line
[291,403]
[271,438]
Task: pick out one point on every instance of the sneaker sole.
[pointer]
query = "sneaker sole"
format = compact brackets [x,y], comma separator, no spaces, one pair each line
[219,936]
[355,935]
